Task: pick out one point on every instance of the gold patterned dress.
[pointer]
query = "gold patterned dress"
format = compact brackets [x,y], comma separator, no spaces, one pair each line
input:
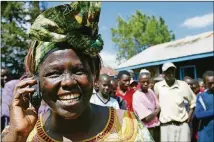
[121,126]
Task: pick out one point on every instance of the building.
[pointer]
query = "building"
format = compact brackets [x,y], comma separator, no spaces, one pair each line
[192,55]
[107,70]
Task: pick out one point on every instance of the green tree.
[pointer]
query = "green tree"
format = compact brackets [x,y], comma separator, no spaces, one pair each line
[15,20]
[138,33]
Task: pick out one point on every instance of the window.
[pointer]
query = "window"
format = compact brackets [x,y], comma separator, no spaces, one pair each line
[188,71]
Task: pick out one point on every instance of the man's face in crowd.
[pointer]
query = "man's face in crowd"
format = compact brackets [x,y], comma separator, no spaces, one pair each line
[104,86]
[124,81]
[133,85]
[195,88]
[210,83]
[169,74]
[189,81]
[202,86]
[144,81]
[113,87]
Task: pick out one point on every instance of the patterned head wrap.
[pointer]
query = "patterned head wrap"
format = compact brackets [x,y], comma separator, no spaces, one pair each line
[75,24]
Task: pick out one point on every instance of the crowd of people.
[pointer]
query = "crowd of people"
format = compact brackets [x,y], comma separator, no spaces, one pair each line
[168,107]
[80,104]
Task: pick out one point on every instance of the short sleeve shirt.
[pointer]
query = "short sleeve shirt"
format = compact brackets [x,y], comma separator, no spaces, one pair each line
[171,100]
[144,104]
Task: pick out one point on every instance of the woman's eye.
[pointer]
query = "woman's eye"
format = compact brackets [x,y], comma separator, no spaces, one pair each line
[53,74]
[80,72]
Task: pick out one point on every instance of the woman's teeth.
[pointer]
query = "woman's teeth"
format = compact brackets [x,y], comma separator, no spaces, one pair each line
[67,102]
[69,98]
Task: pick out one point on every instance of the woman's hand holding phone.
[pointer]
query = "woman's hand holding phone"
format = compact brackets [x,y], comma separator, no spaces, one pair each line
[23,117]
[36,98]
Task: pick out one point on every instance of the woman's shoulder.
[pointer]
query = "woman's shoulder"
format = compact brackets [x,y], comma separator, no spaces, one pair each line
[131,128]
[125,117]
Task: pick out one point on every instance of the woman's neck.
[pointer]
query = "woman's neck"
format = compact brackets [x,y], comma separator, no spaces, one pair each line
[79,125]
[92,121]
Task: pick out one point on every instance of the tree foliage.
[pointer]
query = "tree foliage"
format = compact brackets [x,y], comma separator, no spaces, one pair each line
[15,20]
[138,33]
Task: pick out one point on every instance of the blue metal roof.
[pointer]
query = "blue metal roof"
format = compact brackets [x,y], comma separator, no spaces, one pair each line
[190,57]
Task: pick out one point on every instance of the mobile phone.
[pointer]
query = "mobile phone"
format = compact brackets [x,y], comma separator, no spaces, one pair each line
[36,98]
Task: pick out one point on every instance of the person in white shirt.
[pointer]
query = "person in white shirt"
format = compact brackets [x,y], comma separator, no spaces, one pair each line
[102,97]
[174,117]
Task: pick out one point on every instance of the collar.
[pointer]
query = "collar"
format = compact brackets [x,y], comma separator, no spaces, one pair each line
[101,99]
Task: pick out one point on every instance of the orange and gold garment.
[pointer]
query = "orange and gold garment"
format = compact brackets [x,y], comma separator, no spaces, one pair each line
[122,126]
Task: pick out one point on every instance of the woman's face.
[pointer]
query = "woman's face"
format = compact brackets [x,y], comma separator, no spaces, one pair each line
[66,83]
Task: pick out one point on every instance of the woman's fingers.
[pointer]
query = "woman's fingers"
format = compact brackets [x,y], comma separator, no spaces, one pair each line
[24,91]
[26,82]
[22,117]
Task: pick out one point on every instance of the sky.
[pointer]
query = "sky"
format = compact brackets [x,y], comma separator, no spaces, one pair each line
[183,18]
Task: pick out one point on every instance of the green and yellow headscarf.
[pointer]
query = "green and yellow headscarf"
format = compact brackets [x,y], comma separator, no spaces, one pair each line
[75,24]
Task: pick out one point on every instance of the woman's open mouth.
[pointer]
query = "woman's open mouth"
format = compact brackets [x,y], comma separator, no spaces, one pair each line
[70,99]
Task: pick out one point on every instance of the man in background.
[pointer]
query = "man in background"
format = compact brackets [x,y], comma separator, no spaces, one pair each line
[205,110]
[205,78]
[103,98]
[189,81]
[113,88]
[173,116]
[133,82]
[146,106]
[201,84]
[124,91]
[195,87]
[195,121]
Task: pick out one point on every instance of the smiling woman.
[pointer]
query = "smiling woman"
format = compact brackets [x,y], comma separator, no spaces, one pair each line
[65,59]
[63,81]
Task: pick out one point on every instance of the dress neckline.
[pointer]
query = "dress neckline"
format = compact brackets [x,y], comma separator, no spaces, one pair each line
[42,134]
